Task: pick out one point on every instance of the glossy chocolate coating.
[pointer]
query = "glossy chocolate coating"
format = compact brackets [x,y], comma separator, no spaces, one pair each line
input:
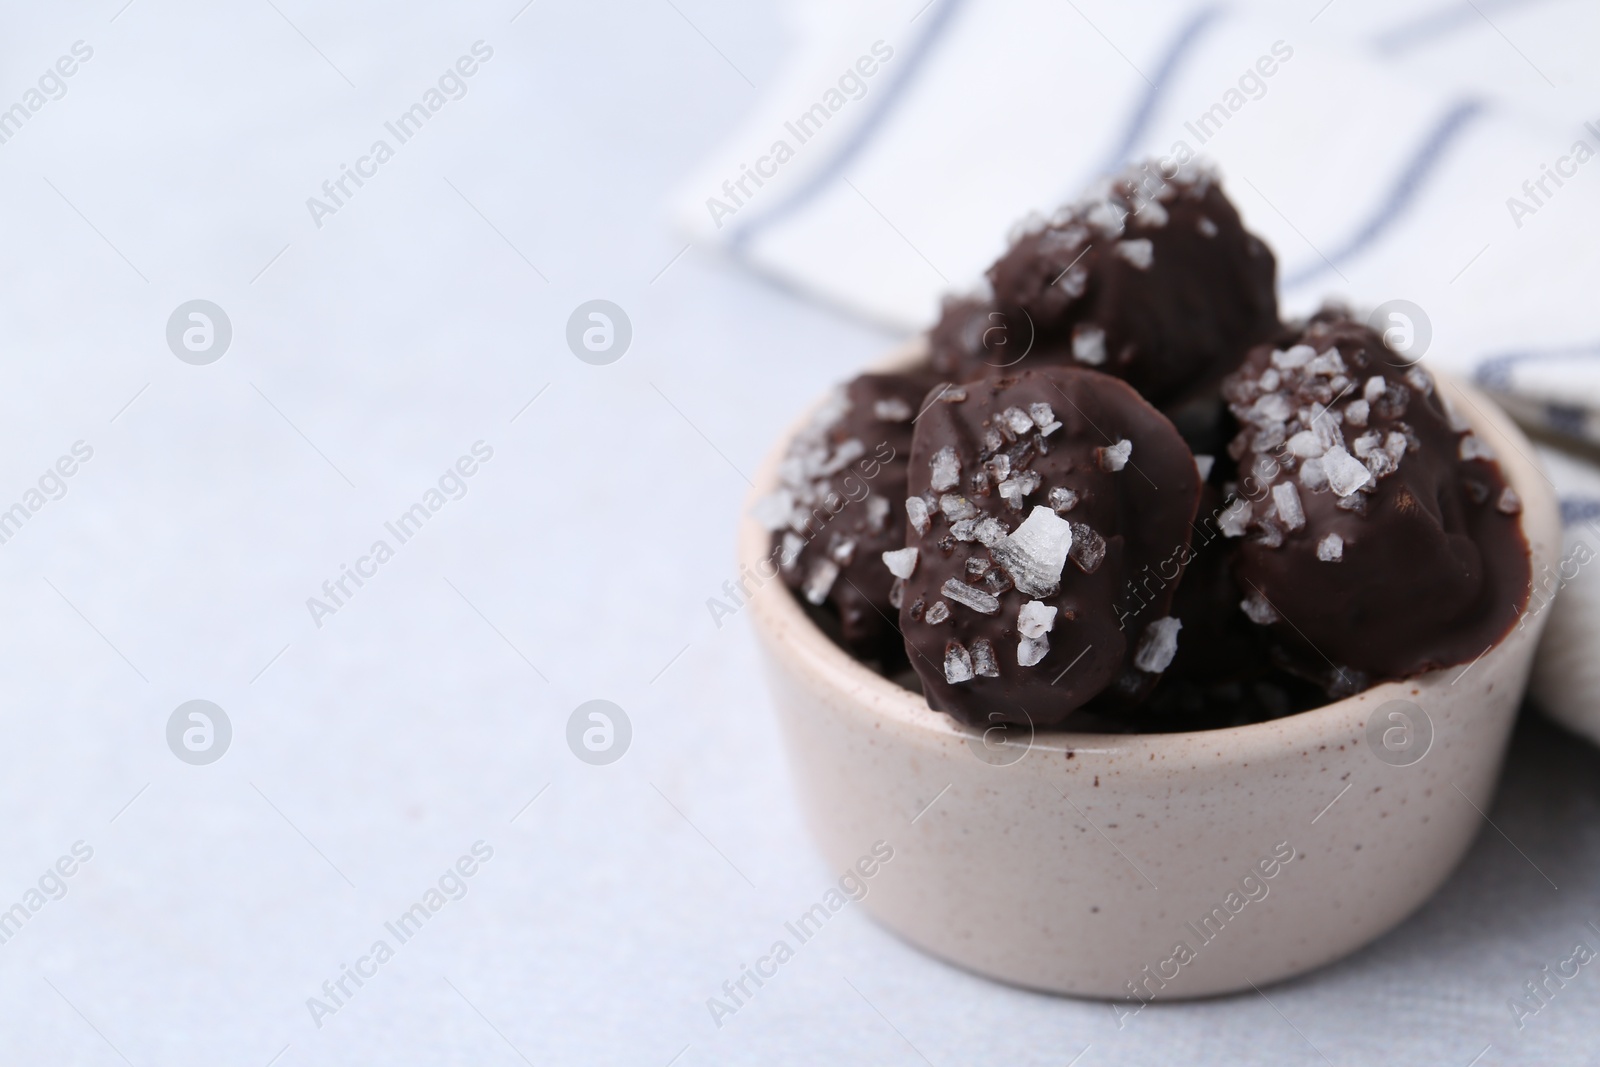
[1155,282]
[1015,463]
[1421,565]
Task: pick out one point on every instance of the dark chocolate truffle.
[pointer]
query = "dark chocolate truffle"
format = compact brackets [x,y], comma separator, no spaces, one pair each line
[1153,280]
[1380,539]
[841,505]
[1033,499]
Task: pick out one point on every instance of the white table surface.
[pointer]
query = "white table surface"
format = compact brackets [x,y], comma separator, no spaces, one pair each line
[368,754]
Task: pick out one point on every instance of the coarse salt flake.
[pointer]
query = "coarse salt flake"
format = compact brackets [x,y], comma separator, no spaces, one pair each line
[1115,457]
[1331,548]
[902,562]
[1157,645]
[1035,619]
[968,596]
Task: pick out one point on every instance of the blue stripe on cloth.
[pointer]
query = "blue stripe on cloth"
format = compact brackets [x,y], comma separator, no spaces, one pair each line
[1422,165]
[1576,509]
[1139,122]
[1435,24]
[943,13]
[1495,372]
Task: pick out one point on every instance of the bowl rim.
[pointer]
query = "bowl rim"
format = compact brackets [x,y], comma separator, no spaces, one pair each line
[783,624]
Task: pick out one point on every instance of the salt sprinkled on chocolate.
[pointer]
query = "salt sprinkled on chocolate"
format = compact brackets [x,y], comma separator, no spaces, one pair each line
[1157,645]
[1115,457]
[1139,252]
[1261,613]
[984,664]
[946,469]
[901,562]
[957,663]
[837,508]
[1036,618]
[1344,445]
[917,513]
[892,409]
[1089,345]
[1011,586]
[976,599]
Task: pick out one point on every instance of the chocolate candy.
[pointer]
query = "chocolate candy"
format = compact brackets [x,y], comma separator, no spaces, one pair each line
[1152,280]
[1379,538]
[841,505]
[1032,501]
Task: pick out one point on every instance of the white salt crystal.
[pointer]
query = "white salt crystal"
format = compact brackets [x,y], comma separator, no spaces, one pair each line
[1203,465]
[956,507]
[946,467]
[1270,380]
[1063,499]
[847,453]
[877,512]
[1367,443]
[1035,619]
[1000,465]
[964,529]
[1019,421]
[1345,472]
[989,531]
[819,583]
[1509,503]
[1041,414]
[1373,391]
[902,562]
[1157,645]
[891,409]
[1115,457]
[938,611]
[969,596]
[1356,412]
[1272,408]
[977,565]
[957,663]
[1331,548]
[1260,612]
[1312,476]
[1138,251]
[984,663]
[843,551]
[1206,227]
[1475,447]
[952,394]
[897,593]
[1089,345]
[1294,357]
[1307,445]
[1030,650]
[1420,380]
[1235,518]
[1035,552]
[1287,501]
[773,511]
[792,546]
[917,513]
[1327,364]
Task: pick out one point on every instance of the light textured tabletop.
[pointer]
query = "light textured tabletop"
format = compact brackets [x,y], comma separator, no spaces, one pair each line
[421,716]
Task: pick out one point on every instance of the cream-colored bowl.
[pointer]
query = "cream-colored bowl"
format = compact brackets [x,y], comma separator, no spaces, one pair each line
[1128,866]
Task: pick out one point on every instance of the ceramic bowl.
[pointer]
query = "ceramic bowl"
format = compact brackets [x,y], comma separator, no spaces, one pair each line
[1150,865]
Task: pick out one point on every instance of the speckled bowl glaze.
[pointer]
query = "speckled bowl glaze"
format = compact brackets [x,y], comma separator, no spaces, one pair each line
[1151,866]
